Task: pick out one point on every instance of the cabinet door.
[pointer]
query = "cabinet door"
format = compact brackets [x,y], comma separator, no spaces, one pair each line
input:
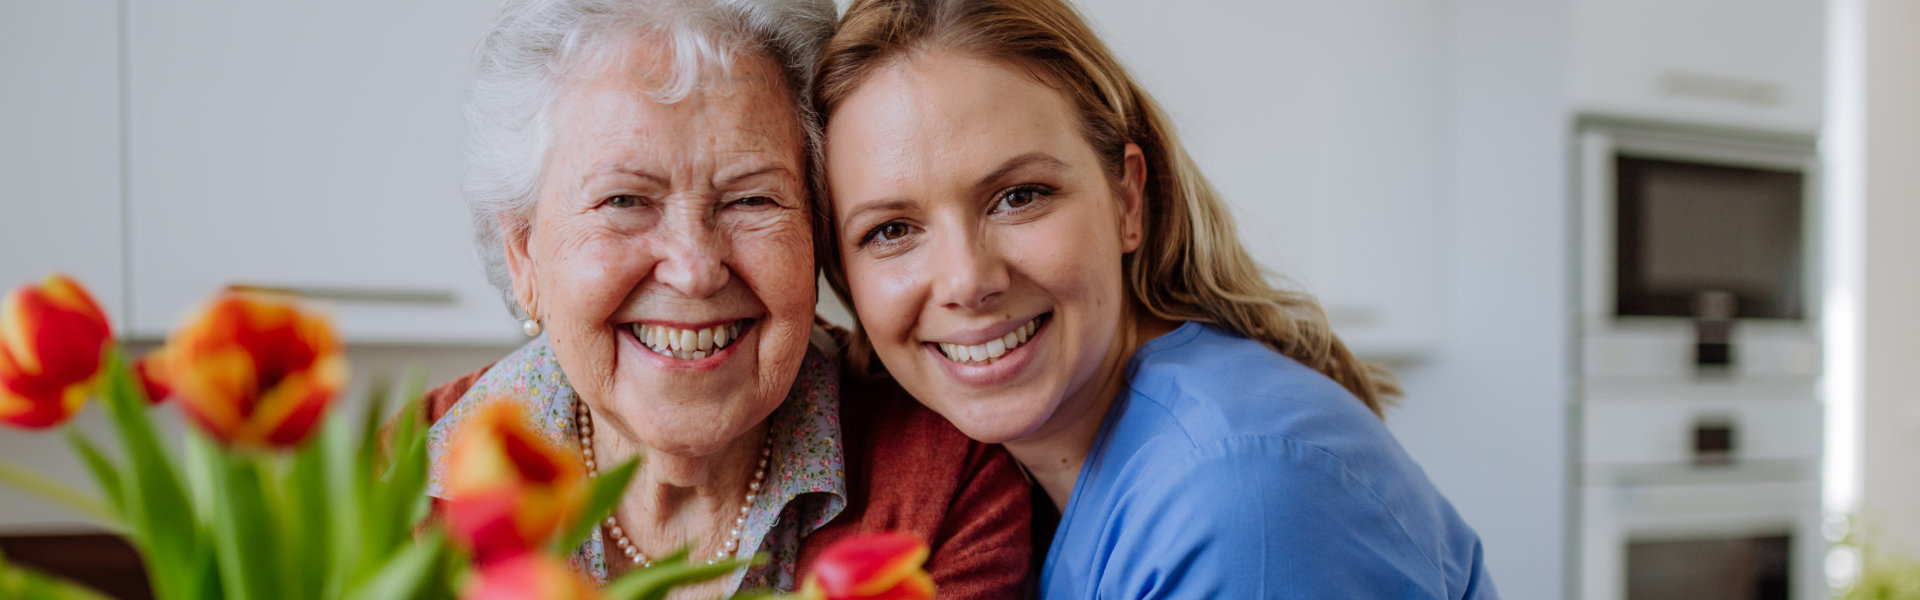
[1743,63]
[1320,123]
[312,146]
[60,146]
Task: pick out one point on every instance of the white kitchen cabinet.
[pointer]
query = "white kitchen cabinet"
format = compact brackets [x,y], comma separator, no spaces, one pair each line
[1742,63]
[312,146]
[1321,124]
[60,146]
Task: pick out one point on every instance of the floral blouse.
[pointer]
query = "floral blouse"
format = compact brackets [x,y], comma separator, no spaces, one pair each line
[806,484]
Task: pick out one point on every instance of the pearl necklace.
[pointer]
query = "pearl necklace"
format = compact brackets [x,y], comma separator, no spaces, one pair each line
[583,417]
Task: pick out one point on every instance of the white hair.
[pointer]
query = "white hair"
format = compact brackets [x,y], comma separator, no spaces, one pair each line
[521,66]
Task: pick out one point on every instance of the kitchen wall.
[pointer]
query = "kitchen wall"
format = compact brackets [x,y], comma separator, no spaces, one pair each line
[1890,328]
[1487,414]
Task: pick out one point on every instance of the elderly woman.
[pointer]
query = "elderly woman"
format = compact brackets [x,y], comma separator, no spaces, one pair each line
[639,182]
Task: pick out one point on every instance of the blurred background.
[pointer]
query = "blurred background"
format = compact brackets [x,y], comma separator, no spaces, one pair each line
[1645,267]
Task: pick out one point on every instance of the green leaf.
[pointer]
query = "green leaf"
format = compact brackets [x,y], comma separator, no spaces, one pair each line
[57,493]
[409,574]
[104,472]
[155,499]
[375,543]
[345,500]
[27,584]
[244,530]
[653,583]
[601,498]
[306,516]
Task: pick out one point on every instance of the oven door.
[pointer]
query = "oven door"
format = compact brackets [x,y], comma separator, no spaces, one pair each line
[1702,541]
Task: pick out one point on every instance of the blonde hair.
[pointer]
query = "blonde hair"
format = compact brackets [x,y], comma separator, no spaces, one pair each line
[1190,265]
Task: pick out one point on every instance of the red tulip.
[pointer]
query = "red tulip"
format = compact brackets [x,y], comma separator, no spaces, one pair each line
[875,566]
[255,369]
[508,489]
[529,576]
[147,369]
[52,340]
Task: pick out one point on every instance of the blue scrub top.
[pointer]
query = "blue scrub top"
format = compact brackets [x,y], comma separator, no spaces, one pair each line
[1227,470]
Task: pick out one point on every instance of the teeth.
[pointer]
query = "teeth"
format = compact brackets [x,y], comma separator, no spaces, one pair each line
[688,344]
[993,349]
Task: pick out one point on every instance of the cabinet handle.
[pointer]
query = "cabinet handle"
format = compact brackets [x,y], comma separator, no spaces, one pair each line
[369,295]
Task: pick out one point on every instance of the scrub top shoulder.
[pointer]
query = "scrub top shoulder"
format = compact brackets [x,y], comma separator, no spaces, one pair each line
[1228,470]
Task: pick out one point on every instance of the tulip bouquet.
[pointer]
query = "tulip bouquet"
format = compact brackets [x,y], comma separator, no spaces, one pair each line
[273,497]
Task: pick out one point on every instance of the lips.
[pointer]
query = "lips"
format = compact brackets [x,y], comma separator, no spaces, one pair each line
[689,344]
[992,350]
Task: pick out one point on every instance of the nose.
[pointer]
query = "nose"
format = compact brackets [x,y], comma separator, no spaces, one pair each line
[693,256]
[968,272]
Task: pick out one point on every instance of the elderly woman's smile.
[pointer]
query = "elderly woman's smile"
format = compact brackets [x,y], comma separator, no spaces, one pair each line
[669,253]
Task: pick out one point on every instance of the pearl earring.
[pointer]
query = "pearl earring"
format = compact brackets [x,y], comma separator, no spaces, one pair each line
[531,326]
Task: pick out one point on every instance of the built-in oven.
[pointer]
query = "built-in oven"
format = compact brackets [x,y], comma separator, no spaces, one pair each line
[1698,421]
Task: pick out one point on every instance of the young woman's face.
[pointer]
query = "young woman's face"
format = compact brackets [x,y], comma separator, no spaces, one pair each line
[983,242]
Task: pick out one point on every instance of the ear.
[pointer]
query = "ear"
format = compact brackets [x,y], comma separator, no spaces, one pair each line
[1133,197]
[515,237]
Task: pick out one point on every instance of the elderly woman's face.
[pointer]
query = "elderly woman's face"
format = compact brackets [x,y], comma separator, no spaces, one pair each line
[668,255]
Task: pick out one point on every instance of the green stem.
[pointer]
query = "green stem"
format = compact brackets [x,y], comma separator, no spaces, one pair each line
[58,493]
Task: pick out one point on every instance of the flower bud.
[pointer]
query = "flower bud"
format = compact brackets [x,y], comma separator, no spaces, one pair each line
[255,369]
[508,489]
[52,340]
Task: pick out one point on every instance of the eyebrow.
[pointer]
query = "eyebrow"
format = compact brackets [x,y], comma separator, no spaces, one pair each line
[1030,159]
[616,169]
[764,170]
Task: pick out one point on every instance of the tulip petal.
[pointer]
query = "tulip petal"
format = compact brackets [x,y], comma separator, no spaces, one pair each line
[865,565]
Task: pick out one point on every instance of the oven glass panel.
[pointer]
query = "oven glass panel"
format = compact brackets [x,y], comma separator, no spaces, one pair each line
[1753,568]
[1687,229]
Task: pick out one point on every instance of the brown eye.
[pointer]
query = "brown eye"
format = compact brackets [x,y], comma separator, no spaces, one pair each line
[754,201]
[1018,198]
[887,233]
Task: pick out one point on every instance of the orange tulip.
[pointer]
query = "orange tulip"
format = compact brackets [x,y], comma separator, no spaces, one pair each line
[255,369]
[52,341]
[529,576]
[508,489]
[874,566]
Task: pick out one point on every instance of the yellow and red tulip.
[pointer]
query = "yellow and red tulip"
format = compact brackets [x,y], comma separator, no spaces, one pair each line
[147,370]
[52,340]
[529,576]
[508,489]
[874,566]
[255,369]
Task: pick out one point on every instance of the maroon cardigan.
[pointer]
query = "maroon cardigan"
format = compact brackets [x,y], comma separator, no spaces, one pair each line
[909,470]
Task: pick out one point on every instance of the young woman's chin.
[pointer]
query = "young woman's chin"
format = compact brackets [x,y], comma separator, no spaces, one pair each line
[995,420]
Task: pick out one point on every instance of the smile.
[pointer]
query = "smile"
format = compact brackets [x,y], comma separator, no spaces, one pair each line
[981,354]
[689,344]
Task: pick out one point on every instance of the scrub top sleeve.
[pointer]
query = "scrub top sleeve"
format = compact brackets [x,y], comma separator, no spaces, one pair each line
[1265,518]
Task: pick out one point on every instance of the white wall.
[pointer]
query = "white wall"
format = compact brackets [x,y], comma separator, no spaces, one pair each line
[1487,416]
[1890,331]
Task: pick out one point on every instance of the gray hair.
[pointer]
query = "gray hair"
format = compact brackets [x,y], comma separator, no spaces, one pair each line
[521,66]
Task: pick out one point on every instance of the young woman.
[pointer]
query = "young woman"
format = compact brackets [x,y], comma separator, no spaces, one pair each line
[1030,253]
